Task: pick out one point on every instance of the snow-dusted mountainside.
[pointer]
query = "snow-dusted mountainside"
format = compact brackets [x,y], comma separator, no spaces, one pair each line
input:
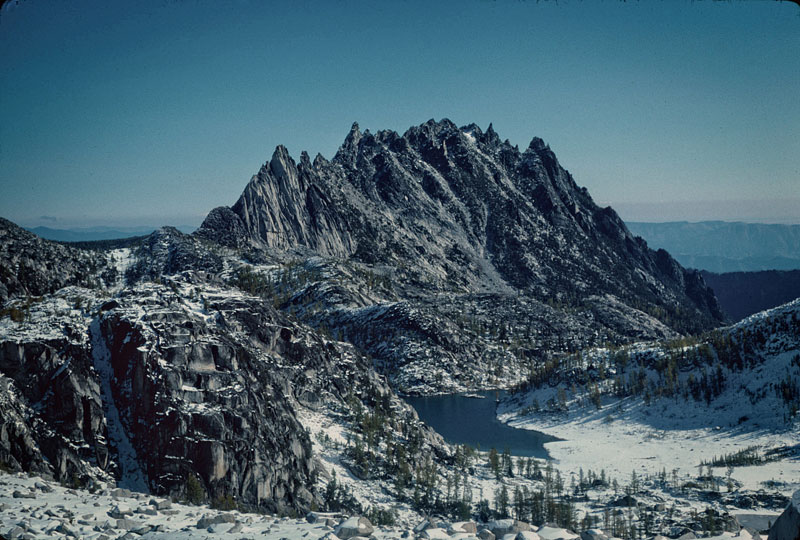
[745,376]
[170,376]
[458,260]
[729,397]
[31,266]
[464,212]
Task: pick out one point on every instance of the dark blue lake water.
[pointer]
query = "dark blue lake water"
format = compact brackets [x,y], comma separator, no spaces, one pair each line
[466,420]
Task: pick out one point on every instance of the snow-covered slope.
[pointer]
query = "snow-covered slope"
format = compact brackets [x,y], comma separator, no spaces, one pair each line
[673,406]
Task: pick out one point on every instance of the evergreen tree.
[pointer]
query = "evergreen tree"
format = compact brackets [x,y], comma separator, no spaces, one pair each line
[494,462]
[501,502]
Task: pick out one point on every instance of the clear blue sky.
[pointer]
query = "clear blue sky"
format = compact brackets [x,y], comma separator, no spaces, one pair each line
[126,113]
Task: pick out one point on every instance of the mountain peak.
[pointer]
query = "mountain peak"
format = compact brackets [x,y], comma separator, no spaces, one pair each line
[488,220]
[491,136]
[537,145]
[282,165]
[347,153]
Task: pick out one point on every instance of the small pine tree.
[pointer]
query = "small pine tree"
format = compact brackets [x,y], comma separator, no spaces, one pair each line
[501,502]
[195,494]
[494,462]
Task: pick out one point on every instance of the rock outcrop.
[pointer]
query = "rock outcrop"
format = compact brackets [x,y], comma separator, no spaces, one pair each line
[283,207]
[177,387]
[31,266]
[787,526]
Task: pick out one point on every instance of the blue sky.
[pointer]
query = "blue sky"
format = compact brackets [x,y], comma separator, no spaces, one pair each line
[153,113]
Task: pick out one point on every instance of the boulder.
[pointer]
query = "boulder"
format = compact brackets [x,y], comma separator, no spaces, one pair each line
[787,526]
[501,527]
[464,526]
[435,533]
[125,524]
[119,512]
[354,526]
[626,501]
[64,529]
[207,521]
[319,517]
[166,504]
[424,525]
[486,534]
[143,529]
[549,532]
[594,534]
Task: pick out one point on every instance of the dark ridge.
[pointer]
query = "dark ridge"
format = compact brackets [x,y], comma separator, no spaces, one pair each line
[744,293]
[103,245]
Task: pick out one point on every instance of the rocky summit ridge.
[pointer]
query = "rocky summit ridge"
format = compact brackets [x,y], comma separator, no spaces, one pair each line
[466,212]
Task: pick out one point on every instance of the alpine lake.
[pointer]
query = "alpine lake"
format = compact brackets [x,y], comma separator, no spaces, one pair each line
[470,419]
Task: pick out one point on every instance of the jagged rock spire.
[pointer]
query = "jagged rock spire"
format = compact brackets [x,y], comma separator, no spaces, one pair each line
[516,218]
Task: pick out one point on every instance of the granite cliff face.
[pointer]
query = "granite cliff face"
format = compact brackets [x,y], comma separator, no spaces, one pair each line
[168,374]
[787,526]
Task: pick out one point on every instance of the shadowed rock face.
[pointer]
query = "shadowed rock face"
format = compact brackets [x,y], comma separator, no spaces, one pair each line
[787,526]
[223,226]
[209,404]
[32,266]
[464,210]
[36,385]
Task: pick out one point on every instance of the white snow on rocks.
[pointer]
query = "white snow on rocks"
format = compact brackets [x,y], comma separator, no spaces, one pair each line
[44,510]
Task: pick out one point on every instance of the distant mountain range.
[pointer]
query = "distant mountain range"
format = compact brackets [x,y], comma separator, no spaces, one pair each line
[721,246]
[91,234]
